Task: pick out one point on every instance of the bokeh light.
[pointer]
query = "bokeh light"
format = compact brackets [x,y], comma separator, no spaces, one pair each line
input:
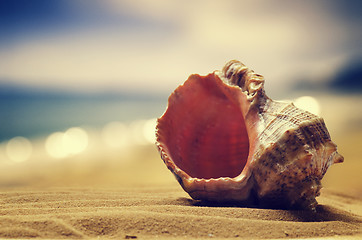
[73,141]
[137,132]
[54,145]
[142,132]
[308,103]
[19,149]
[149,130]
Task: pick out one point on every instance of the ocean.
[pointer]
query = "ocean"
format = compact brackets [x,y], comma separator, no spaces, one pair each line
[32,116]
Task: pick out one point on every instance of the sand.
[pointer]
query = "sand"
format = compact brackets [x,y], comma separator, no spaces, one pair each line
[141,200]
[164,212]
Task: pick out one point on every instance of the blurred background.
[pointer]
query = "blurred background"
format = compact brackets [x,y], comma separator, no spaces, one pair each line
[83,82]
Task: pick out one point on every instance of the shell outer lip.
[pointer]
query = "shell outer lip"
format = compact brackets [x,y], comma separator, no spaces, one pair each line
[209,189]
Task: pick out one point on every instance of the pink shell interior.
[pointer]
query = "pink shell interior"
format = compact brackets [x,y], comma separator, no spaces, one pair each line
[203,130]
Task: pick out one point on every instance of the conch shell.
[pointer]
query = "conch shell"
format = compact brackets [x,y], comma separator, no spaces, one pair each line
[226,141]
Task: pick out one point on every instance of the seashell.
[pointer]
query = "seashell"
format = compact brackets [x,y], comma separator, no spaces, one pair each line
[225,140]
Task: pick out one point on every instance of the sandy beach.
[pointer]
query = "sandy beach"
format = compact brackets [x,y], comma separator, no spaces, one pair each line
[140,199]
[165,212]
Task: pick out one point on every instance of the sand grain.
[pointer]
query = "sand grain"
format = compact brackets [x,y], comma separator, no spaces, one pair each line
[162,212]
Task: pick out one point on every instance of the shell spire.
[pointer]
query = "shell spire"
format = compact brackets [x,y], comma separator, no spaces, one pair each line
[236,73]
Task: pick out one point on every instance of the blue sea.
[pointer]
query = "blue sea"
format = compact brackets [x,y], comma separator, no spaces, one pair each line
[37,115]
[33,113]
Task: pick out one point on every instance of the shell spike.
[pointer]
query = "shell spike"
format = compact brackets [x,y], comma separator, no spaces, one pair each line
[337,158]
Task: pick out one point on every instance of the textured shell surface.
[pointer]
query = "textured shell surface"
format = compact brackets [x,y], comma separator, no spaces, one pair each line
[225,140]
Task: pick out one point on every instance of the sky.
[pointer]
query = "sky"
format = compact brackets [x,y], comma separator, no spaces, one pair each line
[154,45]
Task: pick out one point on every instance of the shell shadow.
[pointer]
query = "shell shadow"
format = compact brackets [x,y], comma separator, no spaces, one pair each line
[322,213]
